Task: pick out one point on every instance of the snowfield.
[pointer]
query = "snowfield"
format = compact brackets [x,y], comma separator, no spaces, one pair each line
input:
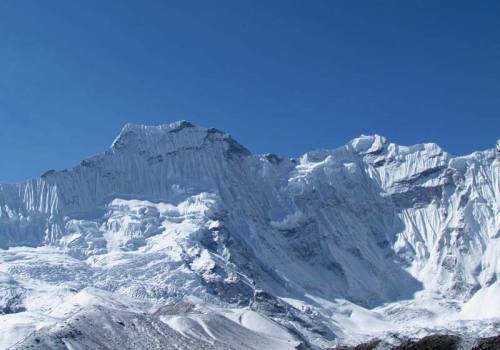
[177,237]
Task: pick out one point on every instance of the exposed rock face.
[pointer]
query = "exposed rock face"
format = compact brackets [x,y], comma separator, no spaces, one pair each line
[432,342]
[178,210]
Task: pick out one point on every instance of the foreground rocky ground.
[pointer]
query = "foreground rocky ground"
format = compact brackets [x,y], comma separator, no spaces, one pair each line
[432,342]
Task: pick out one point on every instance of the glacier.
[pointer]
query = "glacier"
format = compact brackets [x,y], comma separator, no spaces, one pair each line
[179,235]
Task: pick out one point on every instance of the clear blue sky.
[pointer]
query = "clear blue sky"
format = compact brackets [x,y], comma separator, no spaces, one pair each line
[280,76]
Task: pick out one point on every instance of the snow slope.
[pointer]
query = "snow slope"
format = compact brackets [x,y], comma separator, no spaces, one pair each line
[333,247]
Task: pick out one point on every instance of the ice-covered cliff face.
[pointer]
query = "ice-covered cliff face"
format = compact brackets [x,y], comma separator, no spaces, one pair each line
[176,210]
[448,211]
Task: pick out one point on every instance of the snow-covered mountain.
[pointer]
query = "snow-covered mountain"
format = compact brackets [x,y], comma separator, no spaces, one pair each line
[178,235]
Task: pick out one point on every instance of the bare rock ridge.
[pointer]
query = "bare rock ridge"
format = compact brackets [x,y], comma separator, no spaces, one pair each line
[368,240]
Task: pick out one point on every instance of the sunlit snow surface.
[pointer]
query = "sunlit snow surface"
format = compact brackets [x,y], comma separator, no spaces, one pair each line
[178,237]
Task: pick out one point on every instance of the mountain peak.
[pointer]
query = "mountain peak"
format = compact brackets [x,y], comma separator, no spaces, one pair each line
[171,137]
[179,134]
[134,131]
[168,127]
[368,144]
